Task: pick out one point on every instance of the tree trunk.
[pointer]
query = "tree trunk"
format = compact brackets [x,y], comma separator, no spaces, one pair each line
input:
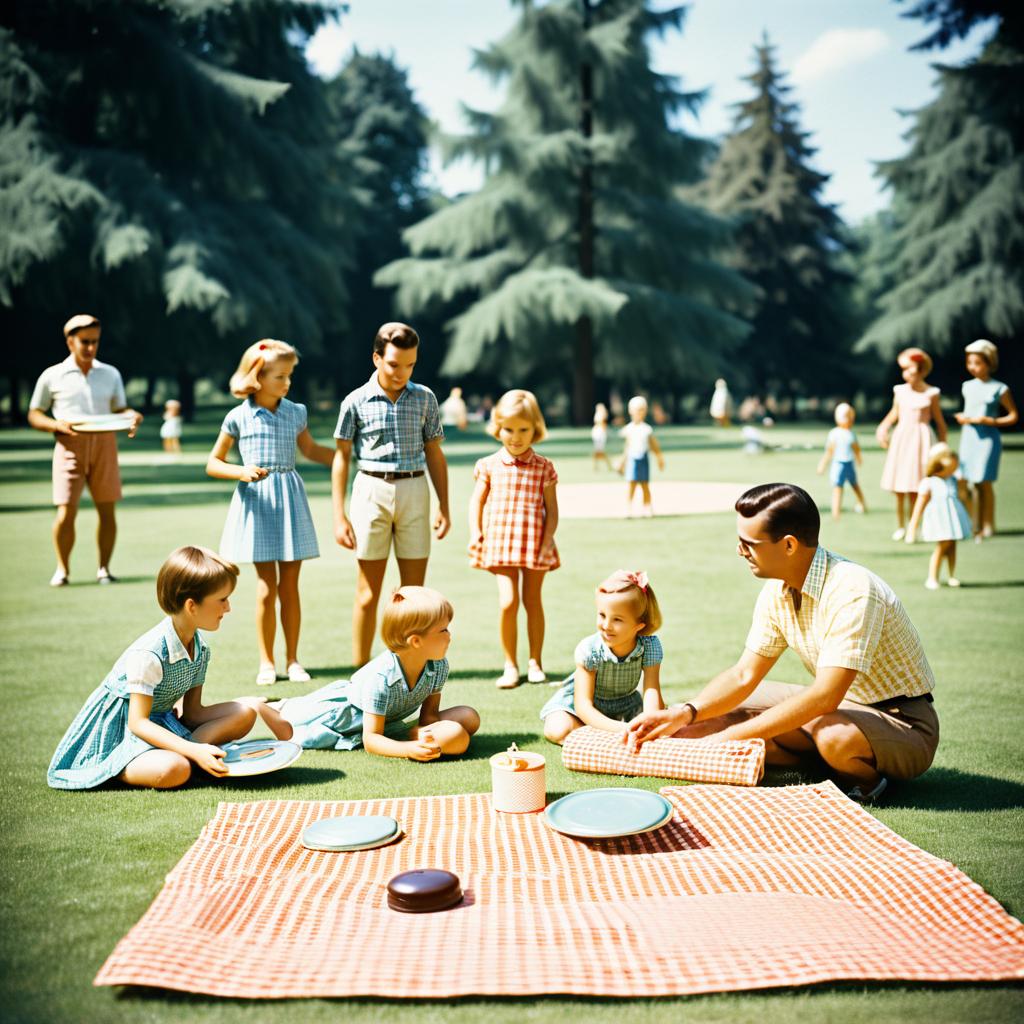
[186,393]
[147,401]
[583,353]
[14,384]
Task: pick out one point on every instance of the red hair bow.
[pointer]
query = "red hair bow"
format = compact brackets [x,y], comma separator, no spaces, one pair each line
[638,579]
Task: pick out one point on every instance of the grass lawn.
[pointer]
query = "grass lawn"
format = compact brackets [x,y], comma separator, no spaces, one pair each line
[79,869]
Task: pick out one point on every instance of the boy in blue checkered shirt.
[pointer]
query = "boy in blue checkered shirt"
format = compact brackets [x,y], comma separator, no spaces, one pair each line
[392,427]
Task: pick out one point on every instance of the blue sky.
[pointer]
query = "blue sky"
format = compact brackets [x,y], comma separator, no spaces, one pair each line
[847,61]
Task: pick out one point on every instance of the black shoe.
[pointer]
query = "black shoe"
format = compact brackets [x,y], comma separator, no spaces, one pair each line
[873,796]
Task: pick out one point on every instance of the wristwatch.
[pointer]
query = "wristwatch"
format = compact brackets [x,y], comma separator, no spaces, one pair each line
[693,711]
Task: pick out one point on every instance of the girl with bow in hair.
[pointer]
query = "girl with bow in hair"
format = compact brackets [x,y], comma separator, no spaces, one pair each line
[624,651]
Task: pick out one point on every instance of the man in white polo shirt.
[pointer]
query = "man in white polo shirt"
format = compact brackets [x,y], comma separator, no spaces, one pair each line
[69,392]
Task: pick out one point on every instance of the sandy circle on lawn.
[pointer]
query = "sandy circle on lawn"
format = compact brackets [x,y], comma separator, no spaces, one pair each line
[669,498]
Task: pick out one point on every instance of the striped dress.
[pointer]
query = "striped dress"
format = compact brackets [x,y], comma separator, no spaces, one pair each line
[269,519]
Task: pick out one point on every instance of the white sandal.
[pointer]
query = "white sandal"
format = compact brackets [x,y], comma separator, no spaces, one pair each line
[266,676]
[297,674]
[535,674]
[508,680]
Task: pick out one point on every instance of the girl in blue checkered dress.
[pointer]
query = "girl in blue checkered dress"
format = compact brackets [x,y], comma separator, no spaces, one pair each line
[128,729]
[624,651]
[269,523]
[369,709]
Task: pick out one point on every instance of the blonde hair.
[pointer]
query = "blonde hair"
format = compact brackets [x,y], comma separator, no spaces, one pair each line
[192,572]
[984,348]
[600,413]
[918,356]
[645,604]
[635,403]
[518,404]
[845,411]
[939,457]
[412,611]
[255,359]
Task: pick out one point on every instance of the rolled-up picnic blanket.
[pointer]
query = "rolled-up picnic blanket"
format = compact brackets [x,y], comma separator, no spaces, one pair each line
[733,762]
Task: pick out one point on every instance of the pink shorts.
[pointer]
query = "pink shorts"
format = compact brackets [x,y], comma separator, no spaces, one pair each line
[80,459]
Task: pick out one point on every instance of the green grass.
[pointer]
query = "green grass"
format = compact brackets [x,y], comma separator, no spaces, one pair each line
[79,869]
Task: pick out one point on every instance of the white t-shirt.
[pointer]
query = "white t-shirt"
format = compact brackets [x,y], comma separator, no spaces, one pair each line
[638,439]
[73,394]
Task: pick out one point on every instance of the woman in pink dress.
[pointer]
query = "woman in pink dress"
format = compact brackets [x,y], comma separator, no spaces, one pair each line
[915,405]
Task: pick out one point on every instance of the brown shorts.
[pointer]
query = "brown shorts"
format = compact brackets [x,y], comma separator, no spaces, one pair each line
[80,459]
[903,732]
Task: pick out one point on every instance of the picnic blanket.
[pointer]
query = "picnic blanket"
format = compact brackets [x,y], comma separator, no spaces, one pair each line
[736,762]
[743,889]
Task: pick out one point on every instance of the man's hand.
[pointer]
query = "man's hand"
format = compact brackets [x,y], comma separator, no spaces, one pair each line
[652,725]
[63,427]
[344,534]
[442,524]
[136,420]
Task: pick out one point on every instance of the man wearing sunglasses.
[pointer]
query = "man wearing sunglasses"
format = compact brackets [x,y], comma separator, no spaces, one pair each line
[868,713]
[72,391]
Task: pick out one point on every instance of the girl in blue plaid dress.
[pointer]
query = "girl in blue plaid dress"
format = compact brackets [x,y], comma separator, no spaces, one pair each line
[128,729]
[369,709]
[602,692]
[269,523]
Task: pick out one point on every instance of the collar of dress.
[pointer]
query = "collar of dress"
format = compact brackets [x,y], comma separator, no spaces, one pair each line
[397,674]
[612,656]
[175,648]
[518,460]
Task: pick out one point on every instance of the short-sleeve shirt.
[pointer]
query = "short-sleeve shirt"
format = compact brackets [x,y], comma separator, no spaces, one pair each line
[265,437]
[842,441]
[614,676]
[638,439]
[73,394]
[380,687]
[848,618]
[389,436]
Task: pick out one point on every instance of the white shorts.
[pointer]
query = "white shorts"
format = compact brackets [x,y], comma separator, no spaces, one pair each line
[382,509]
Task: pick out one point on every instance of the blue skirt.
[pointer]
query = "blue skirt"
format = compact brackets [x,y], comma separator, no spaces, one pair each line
[99,745]
[269,521]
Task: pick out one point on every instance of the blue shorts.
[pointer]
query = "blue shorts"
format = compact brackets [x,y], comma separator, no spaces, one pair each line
[842,473]
[638,470]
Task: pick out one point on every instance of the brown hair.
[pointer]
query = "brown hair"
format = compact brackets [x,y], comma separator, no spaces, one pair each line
[192,572]
[411,611]
[394,333]
[255,359]
[790,510]
[645,604]
[518,404]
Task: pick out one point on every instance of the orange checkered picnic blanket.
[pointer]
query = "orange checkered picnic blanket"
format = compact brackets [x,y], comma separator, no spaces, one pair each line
[743,889]
[735,762]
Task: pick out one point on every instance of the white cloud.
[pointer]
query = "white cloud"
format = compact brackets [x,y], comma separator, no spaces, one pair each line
[836,49]
[328,48]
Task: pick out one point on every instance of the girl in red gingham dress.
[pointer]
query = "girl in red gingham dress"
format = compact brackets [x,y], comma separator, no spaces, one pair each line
[512,519]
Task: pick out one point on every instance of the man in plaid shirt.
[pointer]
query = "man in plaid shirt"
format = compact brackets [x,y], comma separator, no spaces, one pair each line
[869,711]
[394,428]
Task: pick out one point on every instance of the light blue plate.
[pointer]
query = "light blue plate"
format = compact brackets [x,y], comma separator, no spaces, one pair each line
[354,832]
[255,757]
[607,813]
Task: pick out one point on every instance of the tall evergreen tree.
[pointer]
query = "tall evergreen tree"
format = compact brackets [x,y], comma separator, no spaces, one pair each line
[165,165]
[958,196]
[377,122]
[787,240]
[515,255]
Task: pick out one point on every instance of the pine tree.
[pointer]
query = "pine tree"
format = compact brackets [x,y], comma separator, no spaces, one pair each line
[578,220]
[165,165]
[787,240]
[958,197]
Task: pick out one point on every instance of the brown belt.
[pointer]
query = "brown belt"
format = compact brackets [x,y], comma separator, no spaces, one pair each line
[391,476]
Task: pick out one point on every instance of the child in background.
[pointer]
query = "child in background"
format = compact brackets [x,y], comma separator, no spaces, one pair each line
[170,429]
[368,710]
[602,692]
[640,441]
[269,523]
[128,729]
[914,406]
[599,435]
[980,442]
[843,451]
[941,512]
[721,403]
[513,515]
[394,427]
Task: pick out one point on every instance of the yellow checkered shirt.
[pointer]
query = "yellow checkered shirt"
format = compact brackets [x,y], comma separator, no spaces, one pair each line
[848,618]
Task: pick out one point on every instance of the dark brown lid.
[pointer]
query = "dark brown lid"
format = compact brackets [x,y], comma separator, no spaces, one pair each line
[423,890]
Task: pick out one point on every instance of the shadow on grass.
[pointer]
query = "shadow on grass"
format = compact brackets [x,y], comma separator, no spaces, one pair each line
[950,789]
[483,746]
[293,775]
[992,584]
